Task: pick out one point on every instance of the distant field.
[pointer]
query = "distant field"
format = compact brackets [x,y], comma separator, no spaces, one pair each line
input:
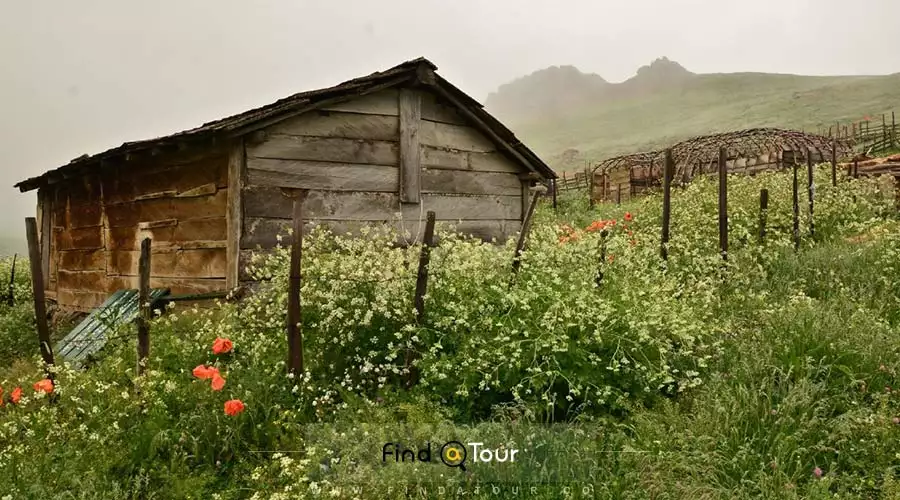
[704,104]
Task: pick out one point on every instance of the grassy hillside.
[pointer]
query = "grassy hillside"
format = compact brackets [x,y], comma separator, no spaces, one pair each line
[771,376]
[10,245]
[604,123]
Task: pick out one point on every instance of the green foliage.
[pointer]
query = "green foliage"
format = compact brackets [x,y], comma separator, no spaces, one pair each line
[692,378]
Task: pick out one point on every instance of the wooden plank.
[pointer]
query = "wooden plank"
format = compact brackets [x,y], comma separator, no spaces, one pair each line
[132,214]
[383,102]
[177,286]
[169,263]
[462,182]
[326,149]
[437,110]
[82,260]
[300,174]
[454,136]
[264,233]
[338,124]
[82,280]
[37,288]
[86,238]
[453,159]
[234,212]
[46,214]
[79,300]
[410,155]
[271,203]
[164,180]
[191,233]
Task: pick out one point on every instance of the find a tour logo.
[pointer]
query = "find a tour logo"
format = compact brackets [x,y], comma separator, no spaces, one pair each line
[452,454]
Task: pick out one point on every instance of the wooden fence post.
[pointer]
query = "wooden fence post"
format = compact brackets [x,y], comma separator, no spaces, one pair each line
[884,136]
[723,204]
[424,259]
[763,213]
[294,330]
[143,319]
[833,163]
[618,194]
[11,298]
[856,168]
[796,200]
[554,185]
[421,288]
[523,235]
[893,131]
[667,205]
[37,288]
[599,280]
[810,188]
[565,182]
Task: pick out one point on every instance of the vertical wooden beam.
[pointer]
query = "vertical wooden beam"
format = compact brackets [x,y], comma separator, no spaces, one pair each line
[723,205]
[37,288]
[143,320]
[410,165]
[46,216]
[667,204]
[234,216]
[294,330]
[856,168]
[833,163]
[893,130]
[618,194]
[523,234]
[424,259]
[598,280]
[555,187]
[810,188]
[763,213]
[884,136]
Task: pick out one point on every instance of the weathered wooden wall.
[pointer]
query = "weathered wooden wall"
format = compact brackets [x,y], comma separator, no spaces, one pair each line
[98,221]
[348,157]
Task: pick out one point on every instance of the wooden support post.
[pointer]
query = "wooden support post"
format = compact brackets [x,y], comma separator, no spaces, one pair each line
[810,189]
[833,163]
[37,288]
[565,182]
[554,185]
[143,319]
[523,235]
[763,213]
[11,298]
[294,330]
[599,279]
[234,214]
[893,131]
[796,200]
[856,168]
[421,288]
[884,136]
[410,167]
[723,204]
[667,204]
[618,194]
[424,259]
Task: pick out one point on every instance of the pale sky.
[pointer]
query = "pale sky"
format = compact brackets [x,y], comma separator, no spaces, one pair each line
[83,76]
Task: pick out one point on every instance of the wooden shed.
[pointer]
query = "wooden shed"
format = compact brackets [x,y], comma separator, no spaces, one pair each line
[384,149]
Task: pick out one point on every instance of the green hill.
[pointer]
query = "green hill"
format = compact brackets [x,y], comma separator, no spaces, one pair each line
[568,117]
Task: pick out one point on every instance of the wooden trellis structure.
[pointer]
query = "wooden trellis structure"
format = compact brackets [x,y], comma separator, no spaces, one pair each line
[747,151]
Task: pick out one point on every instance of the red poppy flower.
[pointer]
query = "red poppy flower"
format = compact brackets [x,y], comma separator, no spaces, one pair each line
[16,395]
[628,216]
[1,396]
[217,382]
[221,346]
[233,407]
[45,385]
[204,372]
[611,257]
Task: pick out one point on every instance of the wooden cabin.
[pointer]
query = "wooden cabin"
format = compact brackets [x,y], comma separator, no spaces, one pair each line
[380,149]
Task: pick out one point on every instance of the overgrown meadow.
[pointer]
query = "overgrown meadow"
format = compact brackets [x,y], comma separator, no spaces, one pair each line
[616,374]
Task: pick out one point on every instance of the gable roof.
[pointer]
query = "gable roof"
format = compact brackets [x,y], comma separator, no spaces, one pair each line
[419,70]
